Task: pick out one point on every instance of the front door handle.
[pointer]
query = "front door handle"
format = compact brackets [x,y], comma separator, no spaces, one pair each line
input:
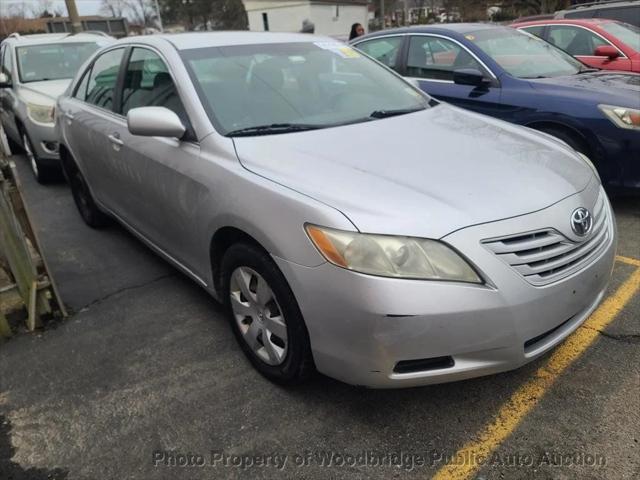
[115,139]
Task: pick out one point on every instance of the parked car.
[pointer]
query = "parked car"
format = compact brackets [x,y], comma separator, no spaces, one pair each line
[626,11]
[605,44]
[346,219]
[517,77]
[34,70]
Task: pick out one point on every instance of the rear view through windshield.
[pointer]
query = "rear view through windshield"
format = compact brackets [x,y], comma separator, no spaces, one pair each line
[312,84]
[52,61]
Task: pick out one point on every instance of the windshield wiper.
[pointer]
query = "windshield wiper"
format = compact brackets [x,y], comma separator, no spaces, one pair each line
[272,129]
[588,70]
[393,113]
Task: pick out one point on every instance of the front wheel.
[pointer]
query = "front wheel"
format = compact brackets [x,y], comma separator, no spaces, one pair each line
[264,315]
[42,173]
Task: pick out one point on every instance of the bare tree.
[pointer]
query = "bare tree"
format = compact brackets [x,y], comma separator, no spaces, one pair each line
[113,8]
[142,12]
[42,8]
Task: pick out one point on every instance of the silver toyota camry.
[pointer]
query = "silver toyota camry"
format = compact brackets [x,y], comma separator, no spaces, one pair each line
[349,223]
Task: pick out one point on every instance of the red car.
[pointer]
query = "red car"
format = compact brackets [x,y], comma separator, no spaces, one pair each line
[599,43]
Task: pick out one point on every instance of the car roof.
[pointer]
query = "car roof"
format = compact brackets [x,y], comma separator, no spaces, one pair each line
[44,38]
[458,28]
[573,21]
[191,40]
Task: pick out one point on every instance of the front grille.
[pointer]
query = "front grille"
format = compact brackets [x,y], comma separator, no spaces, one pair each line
[545,256]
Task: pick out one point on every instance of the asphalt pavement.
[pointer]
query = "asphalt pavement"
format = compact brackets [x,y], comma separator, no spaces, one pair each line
[145,381]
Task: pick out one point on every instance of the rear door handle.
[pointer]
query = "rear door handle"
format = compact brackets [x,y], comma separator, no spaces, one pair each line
[69,116]
[115,139]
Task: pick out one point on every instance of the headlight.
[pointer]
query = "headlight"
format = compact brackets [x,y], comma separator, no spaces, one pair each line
[622,116]
[391,256]
[588,161]
[40,113]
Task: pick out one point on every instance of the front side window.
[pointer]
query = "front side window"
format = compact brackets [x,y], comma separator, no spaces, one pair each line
[575,40]
[628,34]
[437,58]
[103,79]
[386,50]
[534,30]
[5,67]
[523,55]
[148,83]
[54,61]
[317,85]
[81,89]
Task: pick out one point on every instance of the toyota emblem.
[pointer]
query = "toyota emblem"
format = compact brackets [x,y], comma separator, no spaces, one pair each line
[581,221]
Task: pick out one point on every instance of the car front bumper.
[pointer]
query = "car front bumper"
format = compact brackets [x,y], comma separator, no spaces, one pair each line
[45,142]
[361,326]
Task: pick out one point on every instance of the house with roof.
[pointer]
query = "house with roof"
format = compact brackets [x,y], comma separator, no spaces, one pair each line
[322,17]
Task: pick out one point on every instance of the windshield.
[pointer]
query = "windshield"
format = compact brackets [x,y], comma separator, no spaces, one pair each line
[629,34]
[524,55]
[52,61]
[302,85]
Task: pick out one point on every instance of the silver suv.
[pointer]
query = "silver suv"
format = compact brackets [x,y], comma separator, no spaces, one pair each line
[34,71]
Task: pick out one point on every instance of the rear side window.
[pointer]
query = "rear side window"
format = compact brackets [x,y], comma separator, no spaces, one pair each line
[103,79]
[581,14]
[386,50]
[624,14]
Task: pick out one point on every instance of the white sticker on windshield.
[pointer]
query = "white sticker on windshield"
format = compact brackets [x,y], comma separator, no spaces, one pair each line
[338,48]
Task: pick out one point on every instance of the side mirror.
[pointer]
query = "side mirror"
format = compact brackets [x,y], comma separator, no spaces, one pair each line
[4,81]
[607,51]
[469,76]
[154,122]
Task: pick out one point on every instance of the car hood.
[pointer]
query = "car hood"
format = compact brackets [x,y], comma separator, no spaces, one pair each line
[50,89]
[600,86]
[423,174]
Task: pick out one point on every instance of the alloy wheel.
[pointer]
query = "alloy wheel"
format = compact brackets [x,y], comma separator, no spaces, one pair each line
[258,315]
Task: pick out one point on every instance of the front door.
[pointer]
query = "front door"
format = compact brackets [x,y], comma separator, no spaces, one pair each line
[431,61]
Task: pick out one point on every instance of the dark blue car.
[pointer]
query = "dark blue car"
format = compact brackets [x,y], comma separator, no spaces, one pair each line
[514,76]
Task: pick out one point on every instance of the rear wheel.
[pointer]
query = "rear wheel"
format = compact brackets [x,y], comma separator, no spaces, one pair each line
[89,211]
[264,315]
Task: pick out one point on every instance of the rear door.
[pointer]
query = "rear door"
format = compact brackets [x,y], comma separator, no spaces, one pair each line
[90,123]
[431,60]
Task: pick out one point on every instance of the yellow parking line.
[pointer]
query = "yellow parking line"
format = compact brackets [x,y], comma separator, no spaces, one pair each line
[628,260]
[468,460]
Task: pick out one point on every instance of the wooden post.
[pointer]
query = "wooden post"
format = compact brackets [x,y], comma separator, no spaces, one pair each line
[72,10]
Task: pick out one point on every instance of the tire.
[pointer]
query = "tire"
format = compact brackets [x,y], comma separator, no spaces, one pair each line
[259,324]
[570,139]
[89,211]
[42,173]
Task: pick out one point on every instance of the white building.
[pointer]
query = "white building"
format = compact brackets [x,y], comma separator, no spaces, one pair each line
[329,18]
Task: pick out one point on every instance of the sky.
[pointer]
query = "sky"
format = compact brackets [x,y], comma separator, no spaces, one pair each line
[85,7]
